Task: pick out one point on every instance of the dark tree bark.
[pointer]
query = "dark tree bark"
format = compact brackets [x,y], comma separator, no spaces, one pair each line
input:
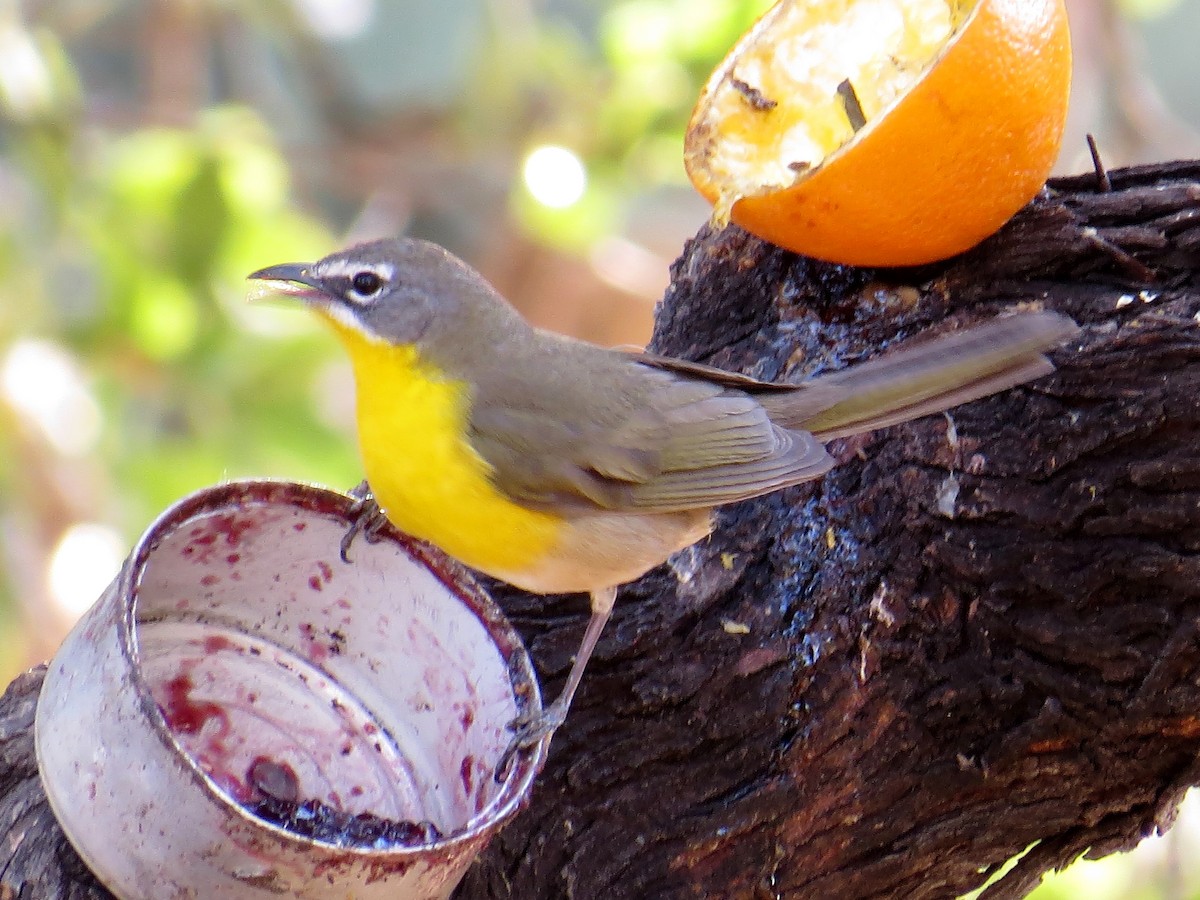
[36,860]
[979,632]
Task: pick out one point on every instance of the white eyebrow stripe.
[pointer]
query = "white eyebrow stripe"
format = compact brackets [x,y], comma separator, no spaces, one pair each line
[349,268]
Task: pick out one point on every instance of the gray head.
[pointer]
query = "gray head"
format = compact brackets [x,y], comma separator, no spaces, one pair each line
[401,291]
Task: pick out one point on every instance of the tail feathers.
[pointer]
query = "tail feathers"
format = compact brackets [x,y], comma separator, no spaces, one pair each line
[928,378]
[985,387]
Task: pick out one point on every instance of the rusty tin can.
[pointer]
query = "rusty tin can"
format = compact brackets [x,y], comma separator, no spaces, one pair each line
[243,714]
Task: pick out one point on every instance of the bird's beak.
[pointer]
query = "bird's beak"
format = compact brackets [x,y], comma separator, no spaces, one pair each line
[290,279]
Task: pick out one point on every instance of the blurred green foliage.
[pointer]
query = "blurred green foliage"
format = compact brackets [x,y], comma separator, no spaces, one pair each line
[128,225]
[618,88]
[131,253]
[1161,868]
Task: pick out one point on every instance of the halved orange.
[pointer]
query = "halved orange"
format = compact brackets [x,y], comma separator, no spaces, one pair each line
[883,132]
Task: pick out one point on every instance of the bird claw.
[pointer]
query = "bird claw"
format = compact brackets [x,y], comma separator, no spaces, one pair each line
[529,730]
[366,518]
[361,492]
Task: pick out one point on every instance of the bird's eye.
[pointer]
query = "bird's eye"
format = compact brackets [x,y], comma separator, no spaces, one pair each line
[367,283]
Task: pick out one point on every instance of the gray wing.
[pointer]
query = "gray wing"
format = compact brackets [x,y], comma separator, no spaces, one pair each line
[655,442]
[802,401]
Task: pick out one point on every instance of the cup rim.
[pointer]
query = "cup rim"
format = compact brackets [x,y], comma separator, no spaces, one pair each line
[453,576]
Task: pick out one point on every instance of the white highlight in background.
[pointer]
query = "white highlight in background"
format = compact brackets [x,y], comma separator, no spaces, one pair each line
[555,176]
[336,20]
[84,562]
[26,87]
[41,381]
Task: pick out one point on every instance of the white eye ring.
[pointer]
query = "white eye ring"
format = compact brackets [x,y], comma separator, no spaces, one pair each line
[366,284]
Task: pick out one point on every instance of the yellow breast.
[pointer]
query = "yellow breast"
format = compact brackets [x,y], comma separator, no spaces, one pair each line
[424,474]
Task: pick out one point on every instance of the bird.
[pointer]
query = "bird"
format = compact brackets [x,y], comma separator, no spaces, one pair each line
[560,466]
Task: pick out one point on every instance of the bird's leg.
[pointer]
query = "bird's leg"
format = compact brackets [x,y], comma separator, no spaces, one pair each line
[366,518]
[529,731]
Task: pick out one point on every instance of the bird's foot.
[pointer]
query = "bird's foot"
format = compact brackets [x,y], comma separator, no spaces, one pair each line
[529,731]
[366,518]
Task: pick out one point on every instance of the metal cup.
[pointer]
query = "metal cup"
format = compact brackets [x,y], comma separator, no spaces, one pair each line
[237,665]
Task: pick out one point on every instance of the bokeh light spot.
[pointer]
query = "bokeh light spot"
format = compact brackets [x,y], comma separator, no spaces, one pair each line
[41,381]
[84,562]
[555,176]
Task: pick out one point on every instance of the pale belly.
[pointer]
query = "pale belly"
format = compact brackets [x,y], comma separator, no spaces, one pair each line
[602,550]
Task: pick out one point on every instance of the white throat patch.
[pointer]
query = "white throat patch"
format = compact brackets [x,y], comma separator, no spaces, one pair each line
[345,317]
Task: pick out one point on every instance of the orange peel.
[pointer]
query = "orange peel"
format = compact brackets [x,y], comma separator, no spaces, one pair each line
[883,132]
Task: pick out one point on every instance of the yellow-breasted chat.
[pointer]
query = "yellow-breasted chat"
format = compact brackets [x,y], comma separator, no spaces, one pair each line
[560,466]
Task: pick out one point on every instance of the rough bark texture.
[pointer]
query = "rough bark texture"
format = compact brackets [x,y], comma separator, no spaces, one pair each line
[981,631]
[36,860]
